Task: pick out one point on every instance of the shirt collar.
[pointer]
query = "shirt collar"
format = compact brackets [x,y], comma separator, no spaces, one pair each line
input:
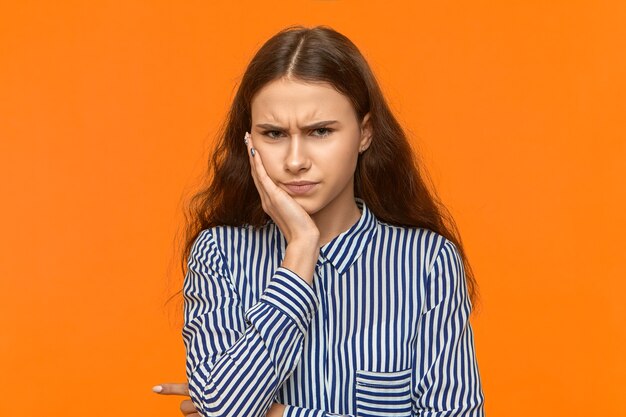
[346,247]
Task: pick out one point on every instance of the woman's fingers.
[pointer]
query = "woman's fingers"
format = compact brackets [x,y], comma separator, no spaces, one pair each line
[256,168]
[171,389]
[248,141]
[255,161]
[268,186]
[187,408]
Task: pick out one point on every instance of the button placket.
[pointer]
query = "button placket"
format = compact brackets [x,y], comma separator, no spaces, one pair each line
[327,285]
[323,286]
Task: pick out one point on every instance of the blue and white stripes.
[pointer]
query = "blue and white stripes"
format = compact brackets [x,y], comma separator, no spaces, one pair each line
[382,331]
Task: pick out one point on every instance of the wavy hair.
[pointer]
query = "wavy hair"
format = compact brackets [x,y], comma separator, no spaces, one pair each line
[389,167]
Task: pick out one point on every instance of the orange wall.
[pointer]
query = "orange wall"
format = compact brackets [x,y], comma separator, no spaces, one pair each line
[107,110]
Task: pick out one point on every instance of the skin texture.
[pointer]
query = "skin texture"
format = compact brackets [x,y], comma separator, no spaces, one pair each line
[291,152]
[296,153]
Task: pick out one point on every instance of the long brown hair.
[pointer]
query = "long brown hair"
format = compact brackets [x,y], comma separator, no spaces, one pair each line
[388,176]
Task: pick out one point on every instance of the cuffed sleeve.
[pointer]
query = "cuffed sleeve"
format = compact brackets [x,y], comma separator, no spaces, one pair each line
[295,411]
[290,294]
[448,378]
[237,360]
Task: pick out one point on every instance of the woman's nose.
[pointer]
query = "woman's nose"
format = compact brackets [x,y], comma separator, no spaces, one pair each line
[297,158]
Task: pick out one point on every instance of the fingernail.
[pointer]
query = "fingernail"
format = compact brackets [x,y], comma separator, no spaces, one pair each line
[252,151]
[157,388]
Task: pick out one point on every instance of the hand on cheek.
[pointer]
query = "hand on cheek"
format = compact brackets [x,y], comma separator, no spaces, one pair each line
[287,213]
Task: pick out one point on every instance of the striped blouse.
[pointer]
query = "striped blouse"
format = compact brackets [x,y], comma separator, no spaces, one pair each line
[383,330]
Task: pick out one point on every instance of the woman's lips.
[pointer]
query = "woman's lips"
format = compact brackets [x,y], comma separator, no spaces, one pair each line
[300,189]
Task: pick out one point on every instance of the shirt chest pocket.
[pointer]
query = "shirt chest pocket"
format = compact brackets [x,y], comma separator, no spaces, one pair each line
[383,394]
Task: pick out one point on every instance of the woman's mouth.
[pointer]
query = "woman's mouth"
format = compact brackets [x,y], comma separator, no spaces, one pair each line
[302,188]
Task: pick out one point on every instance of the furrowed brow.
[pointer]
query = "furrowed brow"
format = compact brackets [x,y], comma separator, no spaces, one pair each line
[315,125]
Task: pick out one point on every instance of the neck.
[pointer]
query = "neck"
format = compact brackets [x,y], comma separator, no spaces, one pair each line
[337,217]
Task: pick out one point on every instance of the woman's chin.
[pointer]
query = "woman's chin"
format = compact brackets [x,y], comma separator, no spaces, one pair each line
[309,205]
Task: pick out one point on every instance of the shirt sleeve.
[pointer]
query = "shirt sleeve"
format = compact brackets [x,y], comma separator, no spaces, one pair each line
[295,411]
[236,360]
[448,378]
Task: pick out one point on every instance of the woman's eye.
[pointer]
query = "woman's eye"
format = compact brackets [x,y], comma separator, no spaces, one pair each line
[269,132]
[324,129]
[322,132]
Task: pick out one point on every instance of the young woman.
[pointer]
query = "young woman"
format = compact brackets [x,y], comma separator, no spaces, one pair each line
[322,277]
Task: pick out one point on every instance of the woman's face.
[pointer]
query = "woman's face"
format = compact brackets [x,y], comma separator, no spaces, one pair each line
[309,132]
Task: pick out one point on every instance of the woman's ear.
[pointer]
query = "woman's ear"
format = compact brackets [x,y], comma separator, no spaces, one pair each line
[366,133]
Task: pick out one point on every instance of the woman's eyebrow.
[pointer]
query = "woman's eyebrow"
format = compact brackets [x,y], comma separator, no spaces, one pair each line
[315,125]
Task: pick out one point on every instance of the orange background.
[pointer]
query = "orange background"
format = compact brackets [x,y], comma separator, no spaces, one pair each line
[108,111]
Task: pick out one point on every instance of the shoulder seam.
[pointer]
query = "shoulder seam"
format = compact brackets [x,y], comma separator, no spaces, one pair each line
[223,258]
[444,241]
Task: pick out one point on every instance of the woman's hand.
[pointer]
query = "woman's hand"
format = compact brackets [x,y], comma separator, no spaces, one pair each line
[189,410]
[186,406]
[292,219]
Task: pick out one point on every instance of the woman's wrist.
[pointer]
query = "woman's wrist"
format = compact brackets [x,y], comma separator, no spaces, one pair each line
[300,257]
